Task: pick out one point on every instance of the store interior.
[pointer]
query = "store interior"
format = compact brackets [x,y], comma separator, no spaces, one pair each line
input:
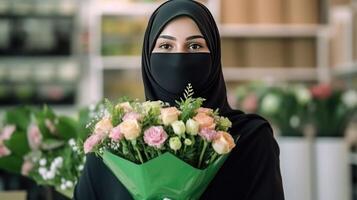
[70,54]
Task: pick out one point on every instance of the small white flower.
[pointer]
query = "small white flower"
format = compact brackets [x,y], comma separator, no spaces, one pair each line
[72,142]
[63,187]
[50,175]
[188,142]
[43,162]
[294,121]
[69,184]
[42,171]
[80,167]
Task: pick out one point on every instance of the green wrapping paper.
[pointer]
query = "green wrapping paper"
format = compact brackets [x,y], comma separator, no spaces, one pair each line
[165,176]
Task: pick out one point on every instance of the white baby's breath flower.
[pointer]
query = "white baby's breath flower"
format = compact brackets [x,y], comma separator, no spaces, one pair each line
[63,186]
[80,167]
[43,162]
[69,184]
[72,142]
[42,171]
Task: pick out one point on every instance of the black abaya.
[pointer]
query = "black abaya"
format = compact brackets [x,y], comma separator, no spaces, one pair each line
[252,170]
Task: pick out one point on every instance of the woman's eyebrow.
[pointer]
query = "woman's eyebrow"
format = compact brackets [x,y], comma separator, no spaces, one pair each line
[188,38]
[194,37]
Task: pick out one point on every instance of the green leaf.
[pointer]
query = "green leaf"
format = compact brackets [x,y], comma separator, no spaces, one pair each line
[67,127]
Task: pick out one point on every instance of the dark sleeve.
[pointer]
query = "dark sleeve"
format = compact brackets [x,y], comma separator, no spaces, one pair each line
[252,171]
[97,182]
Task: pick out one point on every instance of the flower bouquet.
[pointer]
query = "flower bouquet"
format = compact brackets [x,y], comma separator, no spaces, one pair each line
[159,151]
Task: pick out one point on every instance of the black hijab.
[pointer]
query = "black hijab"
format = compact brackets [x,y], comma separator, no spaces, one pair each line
[215,91]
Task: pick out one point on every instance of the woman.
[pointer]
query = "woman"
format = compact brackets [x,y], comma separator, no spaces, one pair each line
[181,46]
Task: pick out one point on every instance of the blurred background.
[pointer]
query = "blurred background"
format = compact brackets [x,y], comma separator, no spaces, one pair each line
[292,61]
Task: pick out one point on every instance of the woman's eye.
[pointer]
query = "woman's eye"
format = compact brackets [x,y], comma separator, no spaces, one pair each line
[195,46]
[165,46]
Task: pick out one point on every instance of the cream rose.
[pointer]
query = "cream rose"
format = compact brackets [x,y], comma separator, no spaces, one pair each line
[223,143]
[147,105]
[125,105]
[169,115]
[130,128]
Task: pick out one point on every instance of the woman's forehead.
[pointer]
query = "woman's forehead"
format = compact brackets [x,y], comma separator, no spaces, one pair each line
[181,28]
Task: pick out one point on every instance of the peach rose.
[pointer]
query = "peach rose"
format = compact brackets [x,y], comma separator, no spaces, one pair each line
[125,105]
[103,127]
[207,111]
[204,120]
[130,128]
[223,143]
[169,115]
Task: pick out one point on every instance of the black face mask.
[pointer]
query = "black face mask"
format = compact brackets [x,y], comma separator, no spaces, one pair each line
[173,71]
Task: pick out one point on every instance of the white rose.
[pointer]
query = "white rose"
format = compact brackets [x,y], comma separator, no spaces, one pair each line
[175,143]
[192,127]
[349,98]
[130,128]
[178,127]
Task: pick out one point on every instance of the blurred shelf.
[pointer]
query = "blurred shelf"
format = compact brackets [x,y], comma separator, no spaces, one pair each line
[270,73]
[121,62]
[68,110]
[347,70]
[125,8]
[36,16]
[234,30]
[29,58]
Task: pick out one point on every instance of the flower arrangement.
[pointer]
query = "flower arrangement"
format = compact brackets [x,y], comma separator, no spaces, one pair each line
[142,137]
[42,146]
[291,107]
[333,107]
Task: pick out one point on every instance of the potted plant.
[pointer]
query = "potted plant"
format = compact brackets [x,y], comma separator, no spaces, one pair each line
[286,106]
[331,110]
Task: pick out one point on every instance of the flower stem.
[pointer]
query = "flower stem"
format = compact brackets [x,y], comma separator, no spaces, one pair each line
[213,157]
[205,143]
[133,142]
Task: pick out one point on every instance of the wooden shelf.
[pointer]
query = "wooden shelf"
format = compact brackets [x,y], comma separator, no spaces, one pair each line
[125,8]
[121,62]
[347,70]
[234,30]
[270,73]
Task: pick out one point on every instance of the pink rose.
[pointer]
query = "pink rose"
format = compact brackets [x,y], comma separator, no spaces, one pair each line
[7,132]
[4,151]
[132,115]
[34,136]
[250,103]
[321,91]
[116,134]
[155,136]
[91,142]
[208,134]
[26,167]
